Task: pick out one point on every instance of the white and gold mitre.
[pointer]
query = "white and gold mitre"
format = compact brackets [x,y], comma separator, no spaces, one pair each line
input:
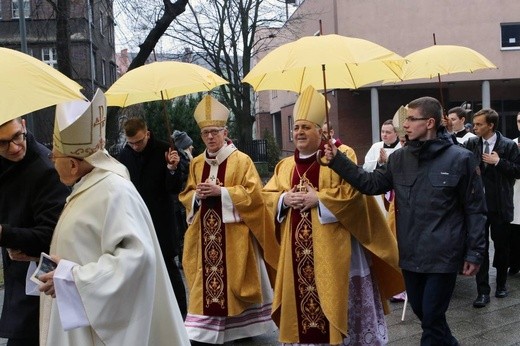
[310,106]
[398,120]
[79,126]
[210,112]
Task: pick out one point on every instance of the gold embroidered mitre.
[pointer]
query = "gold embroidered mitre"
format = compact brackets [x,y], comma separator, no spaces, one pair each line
[398,120]
[79,126]
[210,112]
[310,106]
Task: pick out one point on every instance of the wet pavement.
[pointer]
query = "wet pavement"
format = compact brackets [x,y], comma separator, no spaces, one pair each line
[496,324]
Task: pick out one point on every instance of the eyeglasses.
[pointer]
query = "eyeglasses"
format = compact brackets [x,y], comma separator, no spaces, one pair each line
[410,118]
[212,132]
[17,139]
[137,143]
[53,157]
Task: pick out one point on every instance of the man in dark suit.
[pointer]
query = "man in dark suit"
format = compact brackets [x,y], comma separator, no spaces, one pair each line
[31,200]
[152,165]
[499,159]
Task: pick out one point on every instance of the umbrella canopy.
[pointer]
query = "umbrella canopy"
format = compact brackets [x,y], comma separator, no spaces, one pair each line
[348,62]
[28,84]
[442,60]
[161,81]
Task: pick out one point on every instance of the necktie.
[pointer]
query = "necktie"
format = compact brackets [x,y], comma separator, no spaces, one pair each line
[486,150]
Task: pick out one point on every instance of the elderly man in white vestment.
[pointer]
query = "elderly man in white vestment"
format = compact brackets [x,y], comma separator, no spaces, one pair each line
[110,286]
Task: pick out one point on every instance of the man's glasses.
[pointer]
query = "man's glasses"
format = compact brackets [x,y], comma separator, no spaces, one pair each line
[212,132]
[410,118]
[136,143]
[53,157]
[17,139]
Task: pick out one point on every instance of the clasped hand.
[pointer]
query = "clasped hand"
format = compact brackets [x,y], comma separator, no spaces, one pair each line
[205,190]
[302,200]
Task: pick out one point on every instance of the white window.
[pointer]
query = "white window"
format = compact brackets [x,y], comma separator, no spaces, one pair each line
[510,36]
[50,57]
[26,7]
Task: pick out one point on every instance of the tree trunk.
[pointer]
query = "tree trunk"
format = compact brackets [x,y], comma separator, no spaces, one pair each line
[171,11]
[63,37]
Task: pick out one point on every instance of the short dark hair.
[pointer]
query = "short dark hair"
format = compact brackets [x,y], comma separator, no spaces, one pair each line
[134,125]
[490,115]
[18,120]
[461,112]
[428,107]
[389,122]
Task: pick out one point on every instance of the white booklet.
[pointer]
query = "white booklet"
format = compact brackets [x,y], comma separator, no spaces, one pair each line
[45,265]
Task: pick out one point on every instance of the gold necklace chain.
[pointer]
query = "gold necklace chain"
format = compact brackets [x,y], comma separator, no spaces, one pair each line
[303,178]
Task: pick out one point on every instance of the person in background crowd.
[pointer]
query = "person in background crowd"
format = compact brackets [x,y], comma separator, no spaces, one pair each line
[328,131]
[457,118]
[499,160]
[184,145]
[378,153]
[514,254]
[153,170]
[338,261]
[31,200]
[440,212]
[110,286]
[230,233]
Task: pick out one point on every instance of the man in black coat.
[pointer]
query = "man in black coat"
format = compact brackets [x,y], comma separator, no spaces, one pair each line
[440,212]
[499,160]
[152,165]
[31,200]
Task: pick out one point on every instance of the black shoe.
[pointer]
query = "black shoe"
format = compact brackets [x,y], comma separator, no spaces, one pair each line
[513,271]
[481,301]
[501,292]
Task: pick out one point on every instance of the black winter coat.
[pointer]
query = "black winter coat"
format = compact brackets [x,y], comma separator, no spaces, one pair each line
[500,179]
[156,185]
[440,207]
[31,200]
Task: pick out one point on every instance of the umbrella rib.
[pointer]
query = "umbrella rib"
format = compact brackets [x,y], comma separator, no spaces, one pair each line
[351,76]
[301,80]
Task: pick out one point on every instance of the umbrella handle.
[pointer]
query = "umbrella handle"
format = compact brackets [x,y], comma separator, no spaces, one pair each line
[320,161]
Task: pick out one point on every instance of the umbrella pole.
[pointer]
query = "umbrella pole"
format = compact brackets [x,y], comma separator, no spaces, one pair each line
[327,136]
[167,122]
[440,93]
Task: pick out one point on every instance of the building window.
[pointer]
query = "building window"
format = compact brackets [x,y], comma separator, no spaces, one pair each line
[26,7]
[50,57]
[94,65]
[110,31]
[510,36]
[113,72]
[103,72]
[101,23]
[291,125]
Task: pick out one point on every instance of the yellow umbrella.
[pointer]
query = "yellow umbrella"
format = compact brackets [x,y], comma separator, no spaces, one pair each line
[442,60]
[161,81]
[29,84]
[328,61]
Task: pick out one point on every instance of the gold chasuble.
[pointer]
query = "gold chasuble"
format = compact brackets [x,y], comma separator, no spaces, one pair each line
[220,261]
[312,280]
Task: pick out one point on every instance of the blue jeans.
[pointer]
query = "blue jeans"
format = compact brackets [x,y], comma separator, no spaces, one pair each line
[429,294]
